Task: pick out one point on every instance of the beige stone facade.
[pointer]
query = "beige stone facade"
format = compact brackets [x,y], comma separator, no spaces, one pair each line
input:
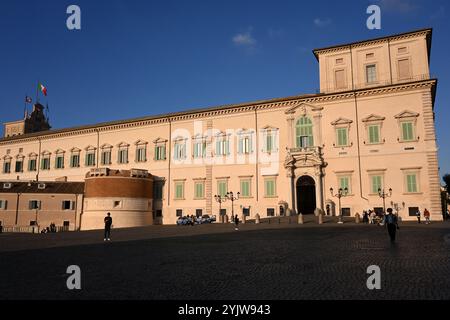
[371,127]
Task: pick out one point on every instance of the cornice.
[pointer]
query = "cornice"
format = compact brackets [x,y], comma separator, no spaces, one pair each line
[290,103]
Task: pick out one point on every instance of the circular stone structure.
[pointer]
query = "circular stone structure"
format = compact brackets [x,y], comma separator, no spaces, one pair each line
[126,194]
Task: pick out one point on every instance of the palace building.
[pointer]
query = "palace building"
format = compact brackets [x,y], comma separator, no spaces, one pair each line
[370,129]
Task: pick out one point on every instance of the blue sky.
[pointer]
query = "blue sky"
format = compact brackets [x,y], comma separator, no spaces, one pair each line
[137,58]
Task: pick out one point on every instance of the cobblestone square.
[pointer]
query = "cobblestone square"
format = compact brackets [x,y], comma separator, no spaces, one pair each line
[266,261]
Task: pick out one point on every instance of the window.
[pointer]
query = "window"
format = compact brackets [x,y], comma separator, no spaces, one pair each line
[158,190]
[371,73]
[269,138]
[90,159]
[377,183]
[199,149]
[7,166]
[370,55]
[342,139]
[160,152]
[75,160]
[304,133]
[122,157]
[223,212]
[346,212]
[32,164]
[344,182]
[33,223]
[407,131]
[3,204]
[141,154]
[199,192]
[141,151]
[412,211]
[117,204]
[339,61]
[45,163]
[34,204]
[222,188]
[411,183]
[19,165]
[245,188]
[270,187]
[105,156]
[179,190]
[179,212]
[404,69]
[66,224]
[270,212]
[198,212]
[246,211]
[59,161]
[68,205]
[222,146]
[245,144]
[339,76]
[374,133]
[179,150]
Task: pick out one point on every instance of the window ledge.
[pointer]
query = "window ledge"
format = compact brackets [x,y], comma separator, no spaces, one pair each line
[412,193]
[270,196]
[407,141]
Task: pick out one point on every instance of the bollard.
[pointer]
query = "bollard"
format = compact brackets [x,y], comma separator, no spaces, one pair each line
[320,218]
[225,219]
[243,218]
[257,217]
[300,218]
[357,218]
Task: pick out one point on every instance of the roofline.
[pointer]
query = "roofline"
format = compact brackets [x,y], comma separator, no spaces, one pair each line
[159,116]
[429,30]
[194,111]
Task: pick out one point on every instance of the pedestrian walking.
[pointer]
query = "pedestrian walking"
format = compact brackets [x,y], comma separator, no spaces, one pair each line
[108,223]
[236,222]
[418,215]
[391,222]
[426,215]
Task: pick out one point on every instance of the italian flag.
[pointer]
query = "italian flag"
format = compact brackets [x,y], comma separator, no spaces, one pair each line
[42,88]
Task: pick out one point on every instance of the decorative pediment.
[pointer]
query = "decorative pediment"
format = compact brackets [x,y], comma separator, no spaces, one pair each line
[373,118]
[7,157]
[179,138]
[199,136]
[341,121]
[90,148]
[123,145]
[74,150]
[406,114]
[244,131]
[140,142]
[303,108]
[106,146]
[160,140]
[59,151]
[269,127]
[46,153]
[32,155]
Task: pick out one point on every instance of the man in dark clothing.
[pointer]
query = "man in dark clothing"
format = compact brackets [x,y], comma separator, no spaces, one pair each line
[236,222]
[391,222]
[108,223]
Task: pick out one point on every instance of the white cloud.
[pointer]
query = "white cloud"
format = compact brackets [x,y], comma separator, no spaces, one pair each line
[398,6]
[322,22]
[244,39]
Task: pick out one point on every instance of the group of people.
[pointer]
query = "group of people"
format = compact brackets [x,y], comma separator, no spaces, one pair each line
[426,215]
[49,229]
[371,217]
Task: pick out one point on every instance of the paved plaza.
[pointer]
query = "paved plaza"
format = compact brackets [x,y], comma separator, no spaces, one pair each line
[266,261]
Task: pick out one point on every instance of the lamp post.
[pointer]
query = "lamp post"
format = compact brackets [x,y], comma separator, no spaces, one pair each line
[384,195]
[220,199]
[230,196]
[396,207]
[341,193]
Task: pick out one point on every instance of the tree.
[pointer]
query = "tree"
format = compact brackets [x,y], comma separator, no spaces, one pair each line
[446,179]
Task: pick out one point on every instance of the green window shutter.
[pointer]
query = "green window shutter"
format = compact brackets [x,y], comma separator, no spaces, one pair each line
[407,131]
[179,191]
[374,134]
[218,149]
[342,136]
[411,183]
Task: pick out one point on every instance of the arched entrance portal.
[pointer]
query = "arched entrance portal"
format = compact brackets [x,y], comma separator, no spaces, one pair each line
[306,195]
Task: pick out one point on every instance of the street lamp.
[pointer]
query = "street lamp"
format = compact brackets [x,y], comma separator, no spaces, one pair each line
[230,196]
[220,199]
[341,193]
[384,195]
[397,207]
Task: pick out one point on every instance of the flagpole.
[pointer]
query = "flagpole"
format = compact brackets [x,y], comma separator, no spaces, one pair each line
[25,106]
[37,92]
